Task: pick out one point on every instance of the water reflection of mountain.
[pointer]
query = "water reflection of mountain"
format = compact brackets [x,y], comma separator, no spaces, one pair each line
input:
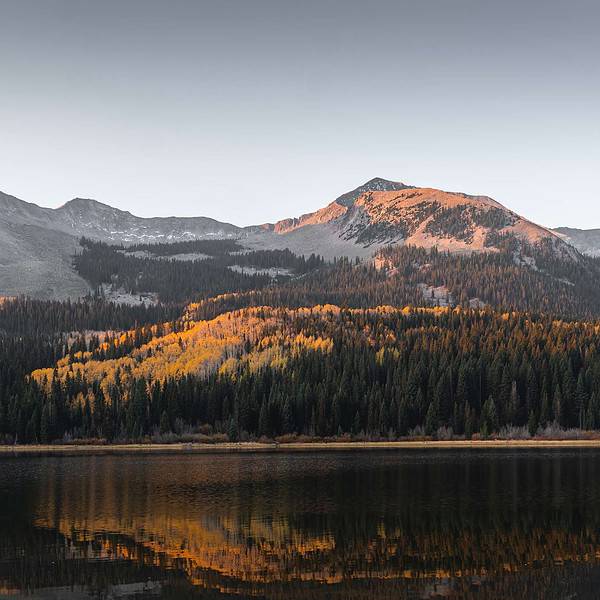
[307,527]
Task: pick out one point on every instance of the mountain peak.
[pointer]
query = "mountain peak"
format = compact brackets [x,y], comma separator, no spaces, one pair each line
[79,200]
[382,182]
[383,212]
[377,184]
[85,203]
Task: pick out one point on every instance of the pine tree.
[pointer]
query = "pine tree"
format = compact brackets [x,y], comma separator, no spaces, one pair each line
[582,400]
[489,417]
[469,424]
[532,423]
[263,419]
[432,419]
[592,414]
[232,430]
[557,407]
[45,425]
[165,425]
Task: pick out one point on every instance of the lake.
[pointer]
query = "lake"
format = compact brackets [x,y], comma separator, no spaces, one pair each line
[316,525]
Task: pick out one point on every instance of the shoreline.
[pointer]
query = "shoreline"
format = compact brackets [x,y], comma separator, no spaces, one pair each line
[249,447]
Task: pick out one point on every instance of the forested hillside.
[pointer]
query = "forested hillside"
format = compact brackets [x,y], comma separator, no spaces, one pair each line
[524,278]
[185,271]
[24,316]
[461,345]
[322,371]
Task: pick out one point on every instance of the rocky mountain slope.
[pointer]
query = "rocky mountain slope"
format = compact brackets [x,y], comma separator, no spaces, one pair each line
[93,219]
[35,256]
[587,241]
[376,214]
[99,221]
[36,244]
[381,212]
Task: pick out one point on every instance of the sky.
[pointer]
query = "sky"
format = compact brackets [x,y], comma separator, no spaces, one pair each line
[249,111]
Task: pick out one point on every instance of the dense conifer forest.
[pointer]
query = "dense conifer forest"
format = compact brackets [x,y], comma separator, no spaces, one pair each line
[25,316]
[318,372]
[206,270]
[237,356]
[528,279]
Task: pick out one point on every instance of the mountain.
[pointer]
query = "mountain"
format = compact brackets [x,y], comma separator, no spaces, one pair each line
[35,255]
[89,218]
[587,241]
[37,244]
[423,217]
[382,212]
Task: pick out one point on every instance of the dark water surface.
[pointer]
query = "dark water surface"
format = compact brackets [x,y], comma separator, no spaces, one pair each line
[344,525]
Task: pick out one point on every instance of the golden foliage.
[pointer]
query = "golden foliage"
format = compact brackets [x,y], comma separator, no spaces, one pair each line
[251,338]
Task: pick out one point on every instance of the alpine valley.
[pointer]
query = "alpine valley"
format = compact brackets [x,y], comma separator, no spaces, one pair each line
[393,311]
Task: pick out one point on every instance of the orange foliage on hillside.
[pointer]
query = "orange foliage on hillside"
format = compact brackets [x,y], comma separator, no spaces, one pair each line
[254,338]
[201,348]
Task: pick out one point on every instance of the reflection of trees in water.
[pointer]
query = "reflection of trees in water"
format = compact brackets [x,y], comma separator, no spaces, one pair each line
[58,562]
[33,558]
[283,532]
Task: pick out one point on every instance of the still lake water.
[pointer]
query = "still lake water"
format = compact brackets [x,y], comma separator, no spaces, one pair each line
[347,525]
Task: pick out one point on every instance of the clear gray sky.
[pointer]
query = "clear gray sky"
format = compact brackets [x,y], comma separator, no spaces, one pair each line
[253,110]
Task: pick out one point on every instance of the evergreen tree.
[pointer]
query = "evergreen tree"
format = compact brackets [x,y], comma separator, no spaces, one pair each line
[489,417]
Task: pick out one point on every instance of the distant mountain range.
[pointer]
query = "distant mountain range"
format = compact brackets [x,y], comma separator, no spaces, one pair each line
[587,241]
[37,244]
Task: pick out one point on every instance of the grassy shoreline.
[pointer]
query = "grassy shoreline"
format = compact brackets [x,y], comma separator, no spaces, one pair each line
[243,447]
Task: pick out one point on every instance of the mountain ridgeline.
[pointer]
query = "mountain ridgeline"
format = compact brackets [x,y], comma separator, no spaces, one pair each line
[393,311]
[37,244]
